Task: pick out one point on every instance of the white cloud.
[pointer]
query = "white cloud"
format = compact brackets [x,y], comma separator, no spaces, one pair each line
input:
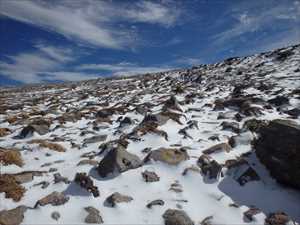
[249,20]
[92,22]
[123,68]
[68,76]
[31,67]
[188,61]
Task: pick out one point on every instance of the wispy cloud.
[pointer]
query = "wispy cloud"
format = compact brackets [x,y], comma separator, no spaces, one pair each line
[254,18]
[123,68]
[91,22]
[40,65]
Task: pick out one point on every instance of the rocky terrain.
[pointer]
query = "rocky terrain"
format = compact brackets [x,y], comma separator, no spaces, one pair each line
[214,144]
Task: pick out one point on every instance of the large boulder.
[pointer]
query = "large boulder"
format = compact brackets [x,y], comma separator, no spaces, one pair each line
[278,148]
[176,217]
[116,161]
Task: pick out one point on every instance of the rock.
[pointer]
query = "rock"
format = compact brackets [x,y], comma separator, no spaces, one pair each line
[87,162]
[172,156]
[217,148]
[191,168]
[12,217]
[250,213]
[39,126]
[59,178]
[209,167]
[247,176]
[115,198]
[116,161]
[254,125]
[172,103]
[11,188]
[94,139]
[4,132]
[278,148]
[125,122]
[278,218]
[93,215]
[44,184]
[27,176]
[294,113]
[176,217]
[155,202]
[279,101]
[11,156]
[207,220]
[55,215]
[150,176]
[176,187]
[54,199]
[232,126]
[87,183]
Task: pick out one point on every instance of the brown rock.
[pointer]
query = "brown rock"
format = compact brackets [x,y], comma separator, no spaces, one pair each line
[12,217]
[172,156]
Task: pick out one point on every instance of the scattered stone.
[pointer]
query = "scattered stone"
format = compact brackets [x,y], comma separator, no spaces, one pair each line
[88,162]
[12,217]
[191,168]
[93,215]
[125,122]
[115,198]
[55,215]
[172,156]
[254,125]
[278,148]
[59,178]
[54,199]
[217,148]
[172,103]
[11,188]
[4,132]
[150,176]
[277,218]
[176,187]
[250,213]
[27,176]
[39,126]
[10,156]
[87,183]
[232,126]
[209,167]
[155,202]
[43,184]
[116,161]
[247,176]
[94,139]
[176,217]
[279,101]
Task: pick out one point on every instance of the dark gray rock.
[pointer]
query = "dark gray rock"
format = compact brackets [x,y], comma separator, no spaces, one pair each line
[116,161]
[55,215]
[209,167]
[155,202]
[150,176]
[278,148]
[54,199]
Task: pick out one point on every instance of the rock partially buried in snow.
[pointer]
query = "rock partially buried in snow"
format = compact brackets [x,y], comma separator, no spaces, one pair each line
[94,139]
[116,198]
[55,215]
[172,156]
[209,167]
[155,202]
[176,217]
[12,217]
[39,126]
[54,199]
[93,215]
[87,183]
[150,176]
[218,148]
[116,161]
[278,148]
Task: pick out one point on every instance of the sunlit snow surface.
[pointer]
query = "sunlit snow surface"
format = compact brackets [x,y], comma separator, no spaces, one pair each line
[202,197]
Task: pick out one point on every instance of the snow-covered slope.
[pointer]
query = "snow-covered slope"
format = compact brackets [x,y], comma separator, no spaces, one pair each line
[193,112]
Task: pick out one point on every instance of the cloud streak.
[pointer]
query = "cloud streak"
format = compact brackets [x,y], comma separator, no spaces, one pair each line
[95,23]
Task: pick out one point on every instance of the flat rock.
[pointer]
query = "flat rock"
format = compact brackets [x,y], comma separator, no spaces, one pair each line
[155,202]
[172,156]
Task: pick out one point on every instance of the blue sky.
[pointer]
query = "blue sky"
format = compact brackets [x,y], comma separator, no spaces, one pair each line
[62,40]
